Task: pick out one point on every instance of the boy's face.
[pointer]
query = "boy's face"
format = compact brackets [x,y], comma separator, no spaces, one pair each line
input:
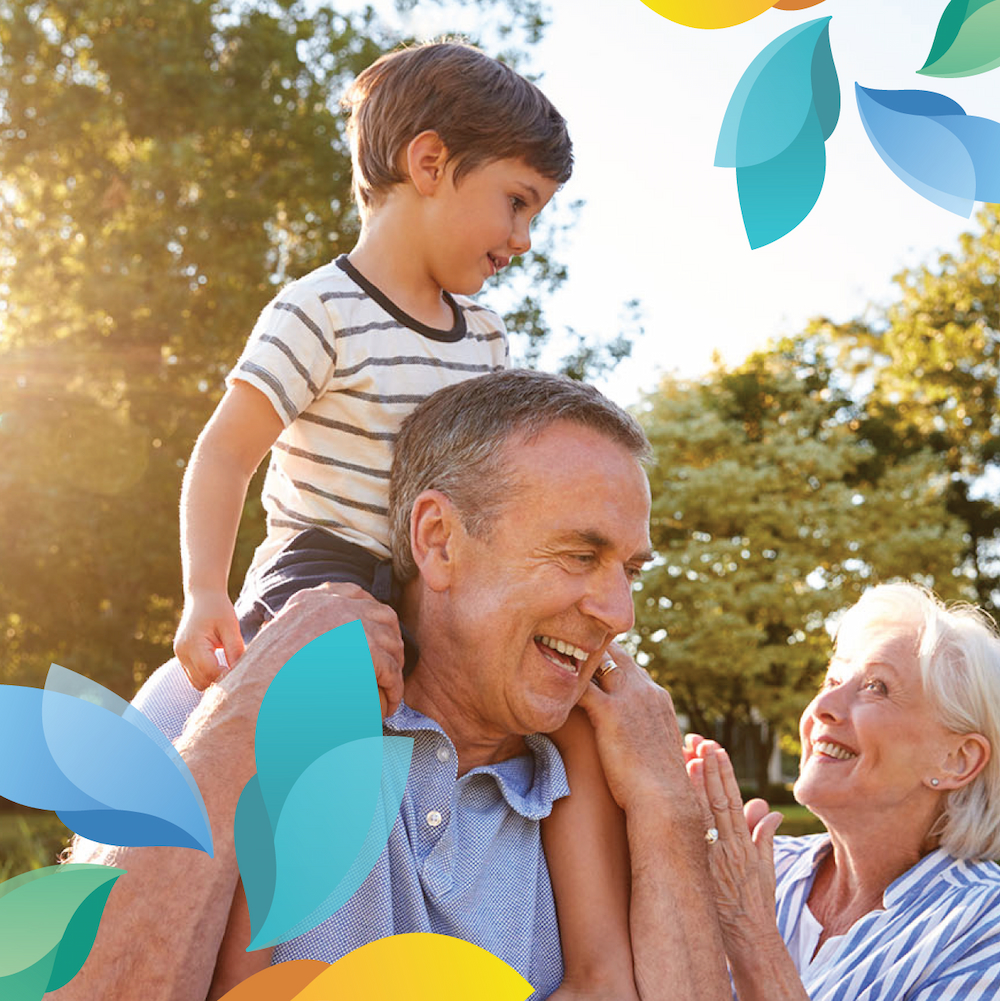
[480,224]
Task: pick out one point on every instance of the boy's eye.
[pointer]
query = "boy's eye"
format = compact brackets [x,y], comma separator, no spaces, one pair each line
[517,203]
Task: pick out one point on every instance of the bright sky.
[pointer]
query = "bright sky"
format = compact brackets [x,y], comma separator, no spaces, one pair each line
[644,98]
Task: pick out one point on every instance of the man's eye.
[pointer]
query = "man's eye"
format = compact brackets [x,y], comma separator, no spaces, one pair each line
[633,573]
[585,559]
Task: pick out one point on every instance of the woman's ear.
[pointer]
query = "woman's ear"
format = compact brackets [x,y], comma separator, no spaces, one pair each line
[966,760]
[426,157]
[433,524]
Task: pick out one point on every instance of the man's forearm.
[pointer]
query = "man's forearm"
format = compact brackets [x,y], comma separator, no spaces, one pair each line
[676,944]
[164,920]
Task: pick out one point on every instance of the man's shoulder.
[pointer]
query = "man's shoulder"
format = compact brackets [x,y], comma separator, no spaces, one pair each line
[167,699]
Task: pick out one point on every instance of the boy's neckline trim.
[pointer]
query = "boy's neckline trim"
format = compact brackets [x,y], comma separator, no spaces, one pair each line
[457,331]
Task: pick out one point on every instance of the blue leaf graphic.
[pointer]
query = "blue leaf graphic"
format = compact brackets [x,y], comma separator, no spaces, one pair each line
[782,111]
[324,774]
[929,142]
[100,764]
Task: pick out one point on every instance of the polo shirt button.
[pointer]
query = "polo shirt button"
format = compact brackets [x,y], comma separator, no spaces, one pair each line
[443,754]
[434,818]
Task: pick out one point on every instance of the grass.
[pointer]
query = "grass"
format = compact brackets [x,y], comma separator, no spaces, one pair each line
[29,841]
[798,820]
[32,840]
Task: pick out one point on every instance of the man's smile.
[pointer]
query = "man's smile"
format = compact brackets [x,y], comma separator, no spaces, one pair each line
[565,655]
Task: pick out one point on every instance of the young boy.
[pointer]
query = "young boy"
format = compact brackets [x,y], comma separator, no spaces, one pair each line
[453,156]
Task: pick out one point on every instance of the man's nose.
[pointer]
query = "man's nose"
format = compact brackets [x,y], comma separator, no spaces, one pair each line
[609,600]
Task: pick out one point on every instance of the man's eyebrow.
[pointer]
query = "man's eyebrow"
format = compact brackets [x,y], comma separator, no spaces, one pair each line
[591,537]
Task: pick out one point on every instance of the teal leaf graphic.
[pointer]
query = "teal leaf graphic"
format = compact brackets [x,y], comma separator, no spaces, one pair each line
[967,41]
[325,775]
[105,769]
[929,142]
[48,922]
[782,111]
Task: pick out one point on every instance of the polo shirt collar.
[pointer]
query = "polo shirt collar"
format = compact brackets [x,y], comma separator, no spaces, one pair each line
[530,783]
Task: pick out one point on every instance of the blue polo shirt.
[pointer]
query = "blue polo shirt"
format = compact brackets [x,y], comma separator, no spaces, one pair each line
[464,857]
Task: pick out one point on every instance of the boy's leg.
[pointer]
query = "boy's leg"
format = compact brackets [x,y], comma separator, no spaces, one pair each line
[312,558]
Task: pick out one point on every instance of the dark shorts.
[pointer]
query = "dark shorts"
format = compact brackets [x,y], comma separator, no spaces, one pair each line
[312,558]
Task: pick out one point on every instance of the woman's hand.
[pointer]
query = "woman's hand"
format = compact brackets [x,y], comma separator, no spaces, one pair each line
[741,861]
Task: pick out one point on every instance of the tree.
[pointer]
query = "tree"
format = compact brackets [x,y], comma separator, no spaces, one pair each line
[769,515]
[932,362]
[165,165]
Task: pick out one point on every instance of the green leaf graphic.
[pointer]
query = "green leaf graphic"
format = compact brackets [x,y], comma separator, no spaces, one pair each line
[967,41]
[48,922]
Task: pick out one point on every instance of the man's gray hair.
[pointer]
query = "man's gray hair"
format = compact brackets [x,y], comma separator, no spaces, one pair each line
[454,442]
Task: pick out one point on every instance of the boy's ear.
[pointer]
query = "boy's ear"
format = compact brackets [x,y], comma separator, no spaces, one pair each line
[426,158]
[434,523]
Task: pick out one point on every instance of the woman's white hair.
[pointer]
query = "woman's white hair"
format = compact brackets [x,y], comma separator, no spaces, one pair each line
[958,651]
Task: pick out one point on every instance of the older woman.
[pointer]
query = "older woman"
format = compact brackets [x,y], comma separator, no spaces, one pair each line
[898,900]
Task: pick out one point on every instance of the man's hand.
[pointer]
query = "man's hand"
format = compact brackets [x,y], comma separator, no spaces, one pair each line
[317,610]
[637,734]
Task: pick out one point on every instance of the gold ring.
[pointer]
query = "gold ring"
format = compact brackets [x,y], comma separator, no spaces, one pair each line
[606,667]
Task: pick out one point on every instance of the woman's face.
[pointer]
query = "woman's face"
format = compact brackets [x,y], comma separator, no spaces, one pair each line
[870,739]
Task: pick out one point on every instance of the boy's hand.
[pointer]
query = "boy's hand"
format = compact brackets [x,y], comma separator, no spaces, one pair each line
[334,604]
[208,624]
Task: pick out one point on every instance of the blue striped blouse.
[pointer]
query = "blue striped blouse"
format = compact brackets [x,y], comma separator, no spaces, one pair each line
[938,937]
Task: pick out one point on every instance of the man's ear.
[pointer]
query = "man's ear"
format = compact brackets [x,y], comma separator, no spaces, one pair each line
[433,526]
[967,759]
[426,157]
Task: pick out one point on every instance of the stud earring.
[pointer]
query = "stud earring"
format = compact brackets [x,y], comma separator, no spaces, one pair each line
[935,782]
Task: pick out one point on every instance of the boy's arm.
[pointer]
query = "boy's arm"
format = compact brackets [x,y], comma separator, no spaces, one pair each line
[225,457]
[587,855]
[235,964]
[676,942]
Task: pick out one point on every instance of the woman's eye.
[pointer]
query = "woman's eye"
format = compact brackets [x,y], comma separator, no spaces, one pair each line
[874,685]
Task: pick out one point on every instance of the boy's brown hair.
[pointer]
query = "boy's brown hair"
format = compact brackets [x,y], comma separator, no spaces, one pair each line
[481,109]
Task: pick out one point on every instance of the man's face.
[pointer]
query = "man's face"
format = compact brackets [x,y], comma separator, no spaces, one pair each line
[555,571]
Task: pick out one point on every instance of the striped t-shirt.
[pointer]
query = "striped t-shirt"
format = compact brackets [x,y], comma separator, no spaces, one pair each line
[937,938]
[342,366]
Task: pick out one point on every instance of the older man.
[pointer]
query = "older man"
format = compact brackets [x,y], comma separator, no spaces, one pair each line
[519,512]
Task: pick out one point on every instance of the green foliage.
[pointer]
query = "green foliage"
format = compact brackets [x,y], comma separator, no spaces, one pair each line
[29,841]
[769,514]
[165,165]
[928,373]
